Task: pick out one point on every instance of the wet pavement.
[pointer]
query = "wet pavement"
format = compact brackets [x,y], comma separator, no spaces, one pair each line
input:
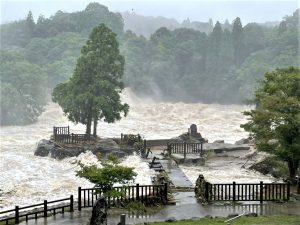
[176,175]
[186,208]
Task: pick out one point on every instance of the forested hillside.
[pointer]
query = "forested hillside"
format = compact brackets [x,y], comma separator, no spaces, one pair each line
[37,56]
[223,66]
[188,63]
[147,25]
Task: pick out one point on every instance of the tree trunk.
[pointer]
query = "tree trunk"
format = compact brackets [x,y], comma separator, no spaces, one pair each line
[293,166]
[95,127]
[88,126]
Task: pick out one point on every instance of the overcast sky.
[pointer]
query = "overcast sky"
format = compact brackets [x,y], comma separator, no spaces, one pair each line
[195,10]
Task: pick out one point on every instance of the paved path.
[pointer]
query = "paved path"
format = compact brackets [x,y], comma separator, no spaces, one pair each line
[178,177]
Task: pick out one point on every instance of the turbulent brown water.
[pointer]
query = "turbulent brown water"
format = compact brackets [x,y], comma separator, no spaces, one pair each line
[26,178]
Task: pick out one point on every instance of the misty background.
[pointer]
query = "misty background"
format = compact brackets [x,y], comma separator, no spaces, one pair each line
[252,11]
[207,52]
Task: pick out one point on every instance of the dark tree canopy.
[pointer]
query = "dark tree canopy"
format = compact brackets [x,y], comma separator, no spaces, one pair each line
[237,40]
[275,123]
[93,91]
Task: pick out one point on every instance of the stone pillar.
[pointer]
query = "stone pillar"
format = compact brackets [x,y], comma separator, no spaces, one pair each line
[99,213]
[202,189]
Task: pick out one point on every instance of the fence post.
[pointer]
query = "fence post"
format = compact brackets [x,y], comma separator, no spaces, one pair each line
[169,149]
[233,191]
[122,219]
[288,191]
[17,214]
[71,203]
[54,133]
[137,192]
[45,208]
[68,129]
[79,198]
[184,150]
[261,191]
[201,151]
[166,192]
[143,150]
[298,185]
[206,191]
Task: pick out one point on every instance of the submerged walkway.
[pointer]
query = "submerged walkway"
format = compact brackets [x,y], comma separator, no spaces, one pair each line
[176,175]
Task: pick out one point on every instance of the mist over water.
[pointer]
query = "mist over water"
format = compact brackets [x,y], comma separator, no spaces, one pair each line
[27,179]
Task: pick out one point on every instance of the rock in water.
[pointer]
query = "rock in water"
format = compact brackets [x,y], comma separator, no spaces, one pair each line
[62,150]
[243,141]
[99,213]
[61,153]
[44,148]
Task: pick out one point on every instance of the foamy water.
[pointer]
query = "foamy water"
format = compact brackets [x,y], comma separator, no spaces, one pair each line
[226,170]
[27,179]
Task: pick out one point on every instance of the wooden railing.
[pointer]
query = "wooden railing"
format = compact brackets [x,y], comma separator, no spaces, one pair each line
[72,138]
[185,148]
[248,192]
[37,210]
[61,130]
[62,135]
[145,193]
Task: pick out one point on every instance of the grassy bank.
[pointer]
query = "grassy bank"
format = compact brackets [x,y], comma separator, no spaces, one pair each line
[264,220]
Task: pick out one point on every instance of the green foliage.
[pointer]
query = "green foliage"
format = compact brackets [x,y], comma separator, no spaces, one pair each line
[192,61]
[106,177]
[275,123]
[224,66]
[113,158]
[23,89]
[93,91]
[273,166]
[136,207]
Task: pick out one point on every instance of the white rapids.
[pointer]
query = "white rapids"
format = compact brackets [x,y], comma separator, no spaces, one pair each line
[231,167]
[26,179]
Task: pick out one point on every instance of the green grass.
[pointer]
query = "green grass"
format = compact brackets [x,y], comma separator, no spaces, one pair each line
[261,220]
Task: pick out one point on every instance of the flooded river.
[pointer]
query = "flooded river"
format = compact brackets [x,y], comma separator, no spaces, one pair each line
[27,179]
